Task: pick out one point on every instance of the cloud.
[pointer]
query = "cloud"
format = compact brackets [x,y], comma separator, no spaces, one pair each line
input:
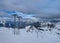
[2,13]
[30,6]
[37,7]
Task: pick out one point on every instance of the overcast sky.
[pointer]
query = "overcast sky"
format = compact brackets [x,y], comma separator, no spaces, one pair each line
[43,8]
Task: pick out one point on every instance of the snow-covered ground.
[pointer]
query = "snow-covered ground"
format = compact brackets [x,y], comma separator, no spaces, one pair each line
[7,36]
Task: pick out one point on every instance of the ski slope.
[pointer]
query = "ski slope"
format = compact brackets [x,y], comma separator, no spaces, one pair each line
[7,36]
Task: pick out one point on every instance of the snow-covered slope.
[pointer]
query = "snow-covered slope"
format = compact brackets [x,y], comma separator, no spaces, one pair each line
[7,36]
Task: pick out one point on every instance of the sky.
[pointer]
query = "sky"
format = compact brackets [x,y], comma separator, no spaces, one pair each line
[39,8]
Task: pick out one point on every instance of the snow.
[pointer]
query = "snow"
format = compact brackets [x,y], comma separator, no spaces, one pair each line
[7,36]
